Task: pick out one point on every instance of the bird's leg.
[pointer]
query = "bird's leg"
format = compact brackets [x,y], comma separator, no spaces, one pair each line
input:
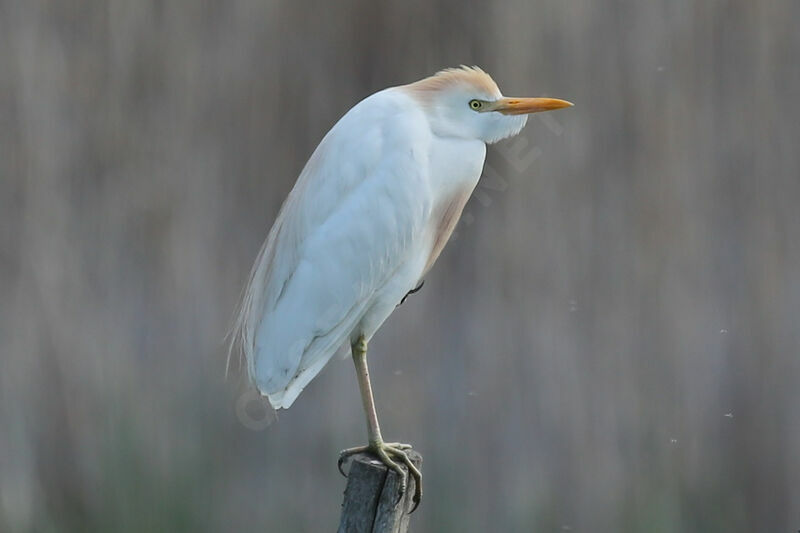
[385,451]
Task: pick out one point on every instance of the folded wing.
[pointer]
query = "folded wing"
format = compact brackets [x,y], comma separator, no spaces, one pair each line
[354,214]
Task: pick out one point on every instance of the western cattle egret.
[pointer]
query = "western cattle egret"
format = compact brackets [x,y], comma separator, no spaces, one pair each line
[366,219]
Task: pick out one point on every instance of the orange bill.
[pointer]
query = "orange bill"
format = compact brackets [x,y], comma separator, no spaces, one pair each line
[521,106]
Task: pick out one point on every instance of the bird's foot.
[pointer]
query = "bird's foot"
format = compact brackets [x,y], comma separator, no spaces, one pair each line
[386,451]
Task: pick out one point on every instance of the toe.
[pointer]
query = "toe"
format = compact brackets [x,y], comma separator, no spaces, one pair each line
[383,452]
[417,475]
[344,454]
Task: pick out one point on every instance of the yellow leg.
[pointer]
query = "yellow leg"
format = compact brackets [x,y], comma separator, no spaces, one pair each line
[384,451]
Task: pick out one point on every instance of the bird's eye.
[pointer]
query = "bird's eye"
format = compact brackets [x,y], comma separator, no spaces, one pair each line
[475,104]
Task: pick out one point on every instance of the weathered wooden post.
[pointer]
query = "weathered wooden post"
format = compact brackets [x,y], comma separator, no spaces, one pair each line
[371,498]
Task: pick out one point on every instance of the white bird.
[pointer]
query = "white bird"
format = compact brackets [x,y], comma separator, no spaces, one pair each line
[368,216]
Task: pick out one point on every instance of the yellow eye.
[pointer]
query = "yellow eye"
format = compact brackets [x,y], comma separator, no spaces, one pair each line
[475,104]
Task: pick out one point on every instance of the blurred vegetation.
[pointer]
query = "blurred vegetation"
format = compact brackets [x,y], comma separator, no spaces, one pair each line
[611,342]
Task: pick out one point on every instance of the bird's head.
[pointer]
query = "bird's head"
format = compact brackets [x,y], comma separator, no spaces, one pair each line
[466,102]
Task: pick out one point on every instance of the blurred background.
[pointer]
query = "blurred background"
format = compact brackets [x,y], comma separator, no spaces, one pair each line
[610,343]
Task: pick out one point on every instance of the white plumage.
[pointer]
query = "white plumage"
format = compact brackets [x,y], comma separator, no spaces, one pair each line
[368,216]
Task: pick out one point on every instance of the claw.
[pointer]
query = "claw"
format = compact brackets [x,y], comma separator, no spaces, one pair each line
[412,291]
[339,464]
[383,451]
